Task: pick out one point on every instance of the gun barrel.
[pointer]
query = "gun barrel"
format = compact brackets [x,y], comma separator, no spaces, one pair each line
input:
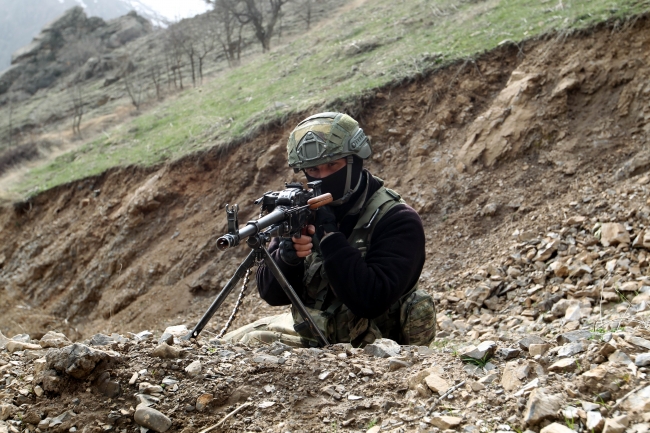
[252,227]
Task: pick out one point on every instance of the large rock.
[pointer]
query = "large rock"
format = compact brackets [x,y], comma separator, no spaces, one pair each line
[54,339]
[173,334]
[638,402]
[3,341]
[574,336]
[17,346]
[642,240]
[383,348]
[563,365]
[541,406]
[7,411]
[78,360]
[613,234]
[510,379]
[525,342]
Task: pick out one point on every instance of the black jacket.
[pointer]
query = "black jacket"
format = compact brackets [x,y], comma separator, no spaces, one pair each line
[370,285]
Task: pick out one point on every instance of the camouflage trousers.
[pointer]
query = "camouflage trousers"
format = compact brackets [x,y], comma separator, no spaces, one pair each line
[267,330]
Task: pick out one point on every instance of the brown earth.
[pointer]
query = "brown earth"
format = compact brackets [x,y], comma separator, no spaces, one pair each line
[523,128]
[517,140]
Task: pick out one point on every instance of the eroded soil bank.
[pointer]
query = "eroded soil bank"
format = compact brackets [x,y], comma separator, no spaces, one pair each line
[520,129]
[529,169]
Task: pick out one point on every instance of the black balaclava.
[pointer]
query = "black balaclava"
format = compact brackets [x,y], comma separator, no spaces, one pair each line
[335,182]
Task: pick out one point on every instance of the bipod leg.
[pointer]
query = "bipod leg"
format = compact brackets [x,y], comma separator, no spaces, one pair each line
[295,300]
[248,262]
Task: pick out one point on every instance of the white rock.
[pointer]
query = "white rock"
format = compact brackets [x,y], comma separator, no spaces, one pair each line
[642,359]
[556,428]
[194,369]
[573,313]
[594,420]
[638,402]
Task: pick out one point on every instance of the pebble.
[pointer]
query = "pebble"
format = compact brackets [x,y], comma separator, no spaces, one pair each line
[166,351]
[203,401]
[54,339]
[396,364]
[194,369]
[436,383]
[101,340]
[483,351]
[541,405]
[642,359]
[152,419]
[556,428]
[445,422]
[525,342]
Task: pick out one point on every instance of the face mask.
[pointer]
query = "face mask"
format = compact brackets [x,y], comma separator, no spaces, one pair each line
[335,182]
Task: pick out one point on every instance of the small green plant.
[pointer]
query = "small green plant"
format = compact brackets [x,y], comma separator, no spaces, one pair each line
[570,422]
[578,365]
[477,362]
[599,401]
[621,296]
[371,424]
[439,344]
[334,427]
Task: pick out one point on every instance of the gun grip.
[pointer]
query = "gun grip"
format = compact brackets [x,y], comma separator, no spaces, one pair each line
[321,200]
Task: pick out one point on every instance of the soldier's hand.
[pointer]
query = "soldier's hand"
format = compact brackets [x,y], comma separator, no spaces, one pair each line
[303,244]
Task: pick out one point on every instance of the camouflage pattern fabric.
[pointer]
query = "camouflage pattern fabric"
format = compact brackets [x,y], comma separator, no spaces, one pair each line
[326,137]
[267,330]
[418,319]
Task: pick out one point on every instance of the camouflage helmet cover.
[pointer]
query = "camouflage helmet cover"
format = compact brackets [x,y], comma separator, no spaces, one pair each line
[326,137]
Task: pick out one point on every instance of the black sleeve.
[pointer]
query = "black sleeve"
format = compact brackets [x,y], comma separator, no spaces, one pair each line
[268,287]
[392,265]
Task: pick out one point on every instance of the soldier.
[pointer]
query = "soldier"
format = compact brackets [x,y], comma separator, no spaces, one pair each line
[357,268]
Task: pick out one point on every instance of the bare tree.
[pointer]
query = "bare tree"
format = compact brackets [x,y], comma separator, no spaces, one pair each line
[156,78]
[11,123]
[77,108]
[206,37]
[262,15]
[228,30]
[305,12]
[174,58]
[133,82]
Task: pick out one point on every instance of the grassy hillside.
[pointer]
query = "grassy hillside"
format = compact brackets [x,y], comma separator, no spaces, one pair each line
[354,52]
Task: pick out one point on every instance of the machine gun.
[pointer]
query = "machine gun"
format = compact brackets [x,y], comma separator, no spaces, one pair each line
[283,214]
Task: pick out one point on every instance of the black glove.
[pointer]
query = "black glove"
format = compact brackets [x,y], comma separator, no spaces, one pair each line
[288,252]
[325,221]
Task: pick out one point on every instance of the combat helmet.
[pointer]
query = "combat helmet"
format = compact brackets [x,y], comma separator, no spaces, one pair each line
[326,137]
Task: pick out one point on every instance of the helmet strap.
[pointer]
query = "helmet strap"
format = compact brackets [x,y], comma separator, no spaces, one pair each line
[348,180]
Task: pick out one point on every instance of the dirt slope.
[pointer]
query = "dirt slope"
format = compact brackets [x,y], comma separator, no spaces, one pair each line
[479,149]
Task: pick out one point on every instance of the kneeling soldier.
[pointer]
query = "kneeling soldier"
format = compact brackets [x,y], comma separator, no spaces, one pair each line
[357,268]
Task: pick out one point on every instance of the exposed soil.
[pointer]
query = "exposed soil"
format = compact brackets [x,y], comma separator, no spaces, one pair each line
[519,139]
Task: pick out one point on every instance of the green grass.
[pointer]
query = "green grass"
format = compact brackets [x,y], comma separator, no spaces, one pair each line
[318,72]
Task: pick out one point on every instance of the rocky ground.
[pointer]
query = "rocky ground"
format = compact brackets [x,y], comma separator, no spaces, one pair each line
[530,172]
[552,337]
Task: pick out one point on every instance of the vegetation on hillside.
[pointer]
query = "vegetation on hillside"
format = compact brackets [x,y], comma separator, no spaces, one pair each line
[335,64]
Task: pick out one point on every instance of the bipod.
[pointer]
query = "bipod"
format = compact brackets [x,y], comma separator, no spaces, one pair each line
[259,252]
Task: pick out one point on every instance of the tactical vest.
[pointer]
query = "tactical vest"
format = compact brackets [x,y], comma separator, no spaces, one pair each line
[410,320]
